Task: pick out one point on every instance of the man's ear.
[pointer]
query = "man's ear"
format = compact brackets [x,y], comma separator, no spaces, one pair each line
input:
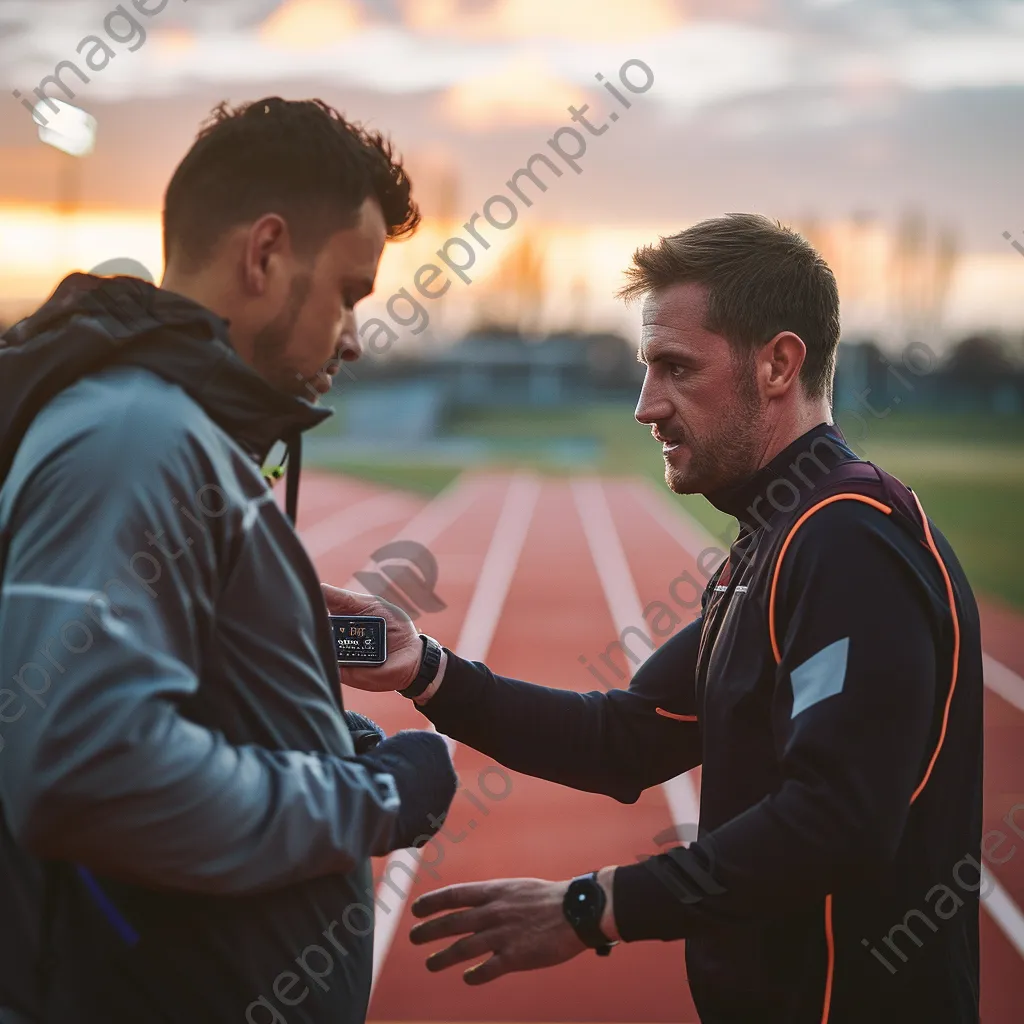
[783,357]
[266,240]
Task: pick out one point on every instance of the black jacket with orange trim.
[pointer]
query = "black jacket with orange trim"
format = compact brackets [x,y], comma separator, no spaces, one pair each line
[832,692]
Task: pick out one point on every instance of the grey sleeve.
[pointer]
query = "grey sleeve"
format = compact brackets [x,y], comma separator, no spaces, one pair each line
[97,764]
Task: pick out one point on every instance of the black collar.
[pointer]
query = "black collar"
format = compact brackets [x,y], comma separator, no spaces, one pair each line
[780,485]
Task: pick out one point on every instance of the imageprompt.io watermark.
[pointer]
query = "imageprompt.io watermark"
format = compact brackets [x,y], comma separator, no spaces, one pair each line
[318,961]
[407,578]
[96,52]
[499,212]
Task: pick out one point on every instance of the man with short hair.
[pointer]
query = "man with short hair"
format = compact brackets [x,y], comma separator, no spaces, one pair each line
[831,690]
[188,813]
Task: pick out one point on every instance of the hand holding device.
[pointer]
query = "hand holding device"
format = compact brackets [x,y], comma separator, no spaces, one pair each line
[402,644]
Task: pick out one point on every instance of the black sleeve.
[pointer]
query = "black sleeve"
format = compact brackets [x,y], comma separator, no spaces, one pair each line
[852,713]
[615,743]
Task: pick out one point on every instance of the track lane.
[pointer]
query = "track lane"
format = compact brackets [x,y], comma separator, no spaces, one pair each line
[473,644]
[457,527]
[554,609]
[323,493]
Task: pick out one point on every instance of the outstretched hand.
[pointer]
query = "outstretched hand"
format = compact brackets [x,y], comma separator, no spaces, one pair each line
[509,924]
[405,648]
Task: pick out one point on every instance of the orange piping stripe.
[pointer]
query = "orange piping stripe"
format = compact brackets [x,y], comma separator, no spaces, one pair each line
[678,718]
[831,959]
[778,565]
[956,647]
[829,941]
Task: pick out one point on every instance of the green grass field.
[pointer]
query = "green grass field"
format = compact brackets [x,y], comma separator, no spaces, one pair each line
[968,472]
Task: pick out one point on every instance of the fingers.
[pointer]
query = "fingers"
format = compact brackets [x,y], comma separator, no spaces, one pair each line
[472,947]
[458,923]
[345,602]
[451,897]
[350,602]
[490,969]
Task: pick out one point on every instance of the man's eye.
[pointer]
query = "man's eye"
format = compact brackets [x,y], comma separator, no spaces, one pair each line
[676,371]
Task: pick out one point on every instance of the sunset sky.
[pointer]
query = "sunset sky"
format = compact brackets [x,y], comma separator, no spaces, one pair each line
[836,113]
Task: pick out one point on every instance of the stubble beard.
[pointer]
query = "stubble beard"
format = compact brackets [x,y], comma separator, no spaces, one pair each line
[271,343]
[728,452]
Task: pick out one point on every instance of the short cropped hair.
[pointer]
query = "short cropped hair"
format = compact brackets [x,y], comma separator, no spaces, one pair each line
[298,158]
[761,279]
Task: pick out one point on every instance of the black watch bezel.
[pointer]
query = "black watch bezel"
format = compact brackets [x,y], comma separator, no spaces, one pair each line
[585,914]
[429,666]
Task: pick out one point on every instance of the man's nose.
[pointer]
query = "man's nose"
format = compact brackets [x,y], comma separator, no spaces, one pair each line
[350,348]
[653,405]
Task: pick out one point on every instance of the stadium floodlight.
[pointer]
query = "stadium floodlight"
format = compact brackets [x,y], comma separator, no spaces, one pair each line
[70,129]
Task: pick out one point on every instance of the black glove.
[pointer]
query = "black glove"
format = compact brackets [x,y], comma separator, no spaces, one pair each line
[426,781]
[366,733]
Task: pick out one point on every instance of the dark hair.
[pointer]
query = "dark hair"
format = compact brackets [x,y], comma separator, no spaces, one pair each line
[761,278]
[298,158]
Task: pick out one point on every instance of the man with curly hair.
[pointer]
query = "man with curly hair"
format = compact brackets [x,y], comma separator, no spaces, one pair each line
[188,812]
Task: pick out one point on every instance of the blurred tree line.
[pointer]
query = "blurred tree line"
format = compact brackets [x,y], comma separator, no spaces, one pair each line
[982,373]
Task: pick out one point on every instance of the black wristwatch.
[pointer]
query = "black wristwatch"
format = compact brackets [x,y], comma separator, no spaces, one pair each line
[428,668]
[583,905]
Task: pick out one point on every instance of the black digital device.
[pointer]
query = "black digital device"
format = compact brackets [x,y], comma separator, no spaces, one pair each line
[360,639]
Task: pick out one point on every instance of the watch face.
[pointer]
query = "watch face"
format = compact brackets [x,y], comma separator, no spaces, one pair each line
[582,900]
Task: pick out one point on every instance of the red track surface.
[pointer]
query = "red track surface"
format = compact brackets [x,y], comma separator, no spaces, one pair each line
[554,612]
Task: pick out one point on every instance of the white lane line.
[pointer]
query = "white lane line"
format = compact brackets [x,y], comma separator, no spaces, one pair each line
[688,533]
[623,602]
[348,523]
[433,519]
[474,641]
[998,678]
[499,567]
[1004,682]
[1003,910]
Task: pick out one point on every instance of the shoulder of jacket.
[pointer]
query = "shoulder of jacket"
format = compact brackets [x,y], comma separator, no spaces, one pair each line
[120,428]
[129,405]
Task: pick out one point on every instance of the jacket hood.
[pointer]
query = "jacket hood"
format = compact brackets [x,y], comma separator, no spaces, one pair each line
[90,323]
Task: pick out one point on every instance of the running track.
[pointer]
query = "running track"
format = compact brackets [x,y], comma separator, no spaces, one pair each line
[539,576]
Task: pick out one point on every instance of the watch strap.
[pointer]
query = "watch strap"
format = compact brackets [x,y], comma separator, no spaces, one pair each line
[429,666]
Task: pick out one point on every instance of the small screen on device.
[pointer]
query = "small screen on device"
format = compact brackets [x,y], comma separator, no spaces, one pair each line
[359,639]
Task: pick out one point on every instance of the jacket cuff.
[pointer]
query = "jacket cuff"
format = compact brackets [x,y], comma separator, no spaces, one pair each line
[461,678]
[645,906]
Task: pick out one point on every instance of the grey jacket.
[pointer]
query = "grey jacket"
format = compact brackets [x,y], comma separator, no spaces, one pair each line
[171,735]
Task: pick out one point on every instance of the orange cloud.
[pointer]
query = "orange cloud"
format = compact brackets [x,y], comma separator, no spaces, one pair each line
[171,43]
[576,20]
[520,92]
[310,24]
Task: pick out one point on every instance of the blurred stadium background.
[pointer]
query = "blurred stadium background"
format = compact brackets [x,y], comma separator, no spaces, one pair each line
[887,131]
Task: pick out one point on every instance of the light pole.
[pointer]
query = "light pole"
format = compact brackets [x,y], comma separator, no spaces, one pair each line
[72,131]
